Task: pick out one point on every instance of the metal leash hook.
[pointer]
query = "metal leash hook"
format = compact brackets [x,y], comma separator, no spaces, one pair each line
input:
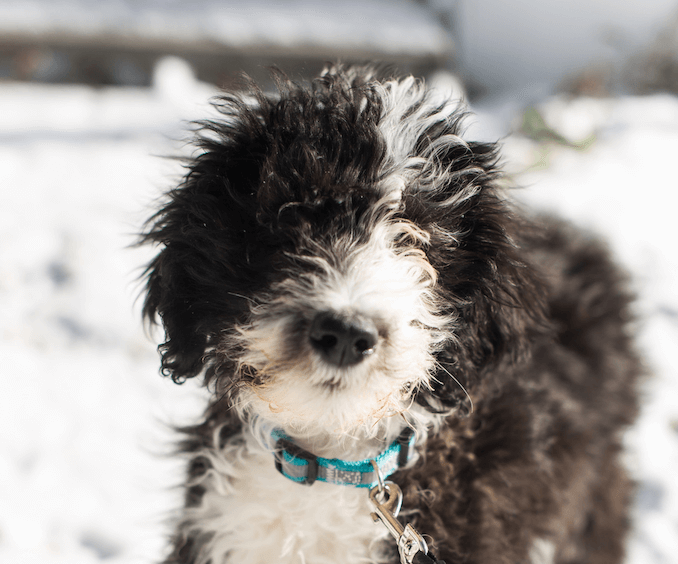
[387,499]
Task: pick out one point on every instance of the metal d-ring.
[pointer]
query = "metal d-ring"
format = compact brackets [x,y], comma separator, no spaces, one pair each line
[380,478]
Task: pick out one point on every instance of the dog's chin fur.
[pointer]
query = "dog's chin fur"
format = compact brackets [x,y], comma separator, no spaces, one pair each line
[502,339]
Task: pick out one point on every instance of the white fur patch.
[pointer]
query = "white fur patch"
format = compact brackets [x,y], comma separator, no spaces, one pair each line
[542,552]
[258,516]
[409,110]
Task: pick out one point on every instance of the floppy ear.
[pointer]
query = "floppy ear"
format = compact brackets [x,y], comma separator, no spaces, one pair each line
[484,279]
[174,297]
[211,249]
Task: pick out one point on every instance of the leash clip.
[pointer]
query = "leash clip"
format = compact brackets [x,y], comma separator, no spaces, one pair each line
[387,499]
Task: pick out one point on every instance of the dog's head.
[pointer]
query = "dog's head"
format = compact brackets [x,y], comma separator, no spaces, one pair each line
[337,253]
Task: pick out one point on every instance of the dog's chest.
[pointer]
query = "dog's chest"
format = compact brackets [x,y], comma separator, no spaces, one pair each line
[258,516]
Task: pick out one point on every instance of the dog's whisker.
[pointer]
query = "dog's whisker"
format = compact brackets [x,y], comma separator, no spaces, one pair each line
[456,381]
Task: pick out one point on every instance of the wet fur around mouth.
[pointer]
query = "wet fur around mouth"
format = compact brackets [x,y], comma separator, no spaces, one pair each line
[504,338]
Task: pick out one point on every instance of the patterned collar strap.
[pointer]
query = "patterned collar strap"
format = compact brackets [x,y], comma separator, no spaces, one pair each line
[303,467]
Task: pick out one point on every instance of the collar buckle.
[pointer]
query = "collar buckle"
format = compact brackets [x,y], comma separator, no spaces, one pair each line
[283,446]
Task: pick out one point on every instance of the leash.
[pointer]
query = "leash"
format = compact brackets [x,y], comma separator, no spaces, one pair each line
[387,498]
[302,467]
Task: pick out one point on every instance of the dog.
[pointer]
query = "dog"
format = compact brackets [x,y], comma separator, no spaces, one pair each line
[403,365]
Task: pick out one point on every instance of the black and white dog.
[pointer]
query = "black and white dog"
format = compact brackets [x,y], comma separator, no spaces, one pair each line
[343,270]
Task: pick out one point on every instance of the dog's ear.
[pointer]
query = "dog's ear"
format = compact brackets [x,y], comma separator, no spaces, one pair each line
[484,277]
[167,294]
[211,251]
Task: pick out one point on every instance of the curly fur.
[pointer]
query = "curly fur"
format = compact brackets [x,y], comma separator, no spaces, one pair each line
[503,339]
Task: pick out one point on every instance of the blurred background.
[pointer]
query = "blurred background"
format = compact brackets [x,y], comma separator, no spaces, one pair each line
[94,94]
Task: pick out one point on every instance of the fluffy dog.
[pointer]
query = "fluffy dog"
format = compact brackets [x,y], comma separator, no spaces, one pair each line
[340,266]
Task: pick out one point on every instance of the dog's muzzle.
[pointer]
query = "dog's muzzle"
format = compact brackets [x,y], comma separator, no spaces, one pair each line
[343,340]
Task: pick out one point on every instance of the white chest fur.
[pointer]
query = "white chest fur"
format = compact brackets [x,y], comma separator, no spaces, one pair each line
[257,516]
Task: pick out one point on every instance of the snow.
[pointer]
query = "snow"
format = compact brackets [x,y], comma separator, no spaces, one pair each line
[84,416]
[83,413]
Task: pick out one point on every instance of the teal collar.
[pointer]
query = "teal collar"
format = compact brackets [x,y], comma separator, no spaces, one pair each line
[303,467]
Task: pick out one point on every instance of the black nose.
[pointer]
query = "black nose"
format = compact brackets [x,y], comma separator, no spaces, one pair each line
[343,340]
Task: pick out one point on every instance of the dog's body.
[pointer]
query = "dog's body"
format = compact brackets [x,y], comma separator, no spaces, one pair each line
[339,265]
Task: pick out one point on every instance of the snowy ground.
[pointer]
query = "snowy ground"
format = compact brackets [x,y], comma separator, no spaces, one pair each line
[82,409]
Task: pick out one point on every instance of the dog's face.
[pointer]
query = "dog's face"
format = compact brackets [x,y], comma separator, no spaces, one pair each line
[334,254]
[344,333]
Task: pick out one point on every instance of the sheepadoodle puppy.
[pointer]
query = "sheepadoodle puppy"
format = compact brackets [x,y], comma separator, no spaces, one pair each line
[403,366]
